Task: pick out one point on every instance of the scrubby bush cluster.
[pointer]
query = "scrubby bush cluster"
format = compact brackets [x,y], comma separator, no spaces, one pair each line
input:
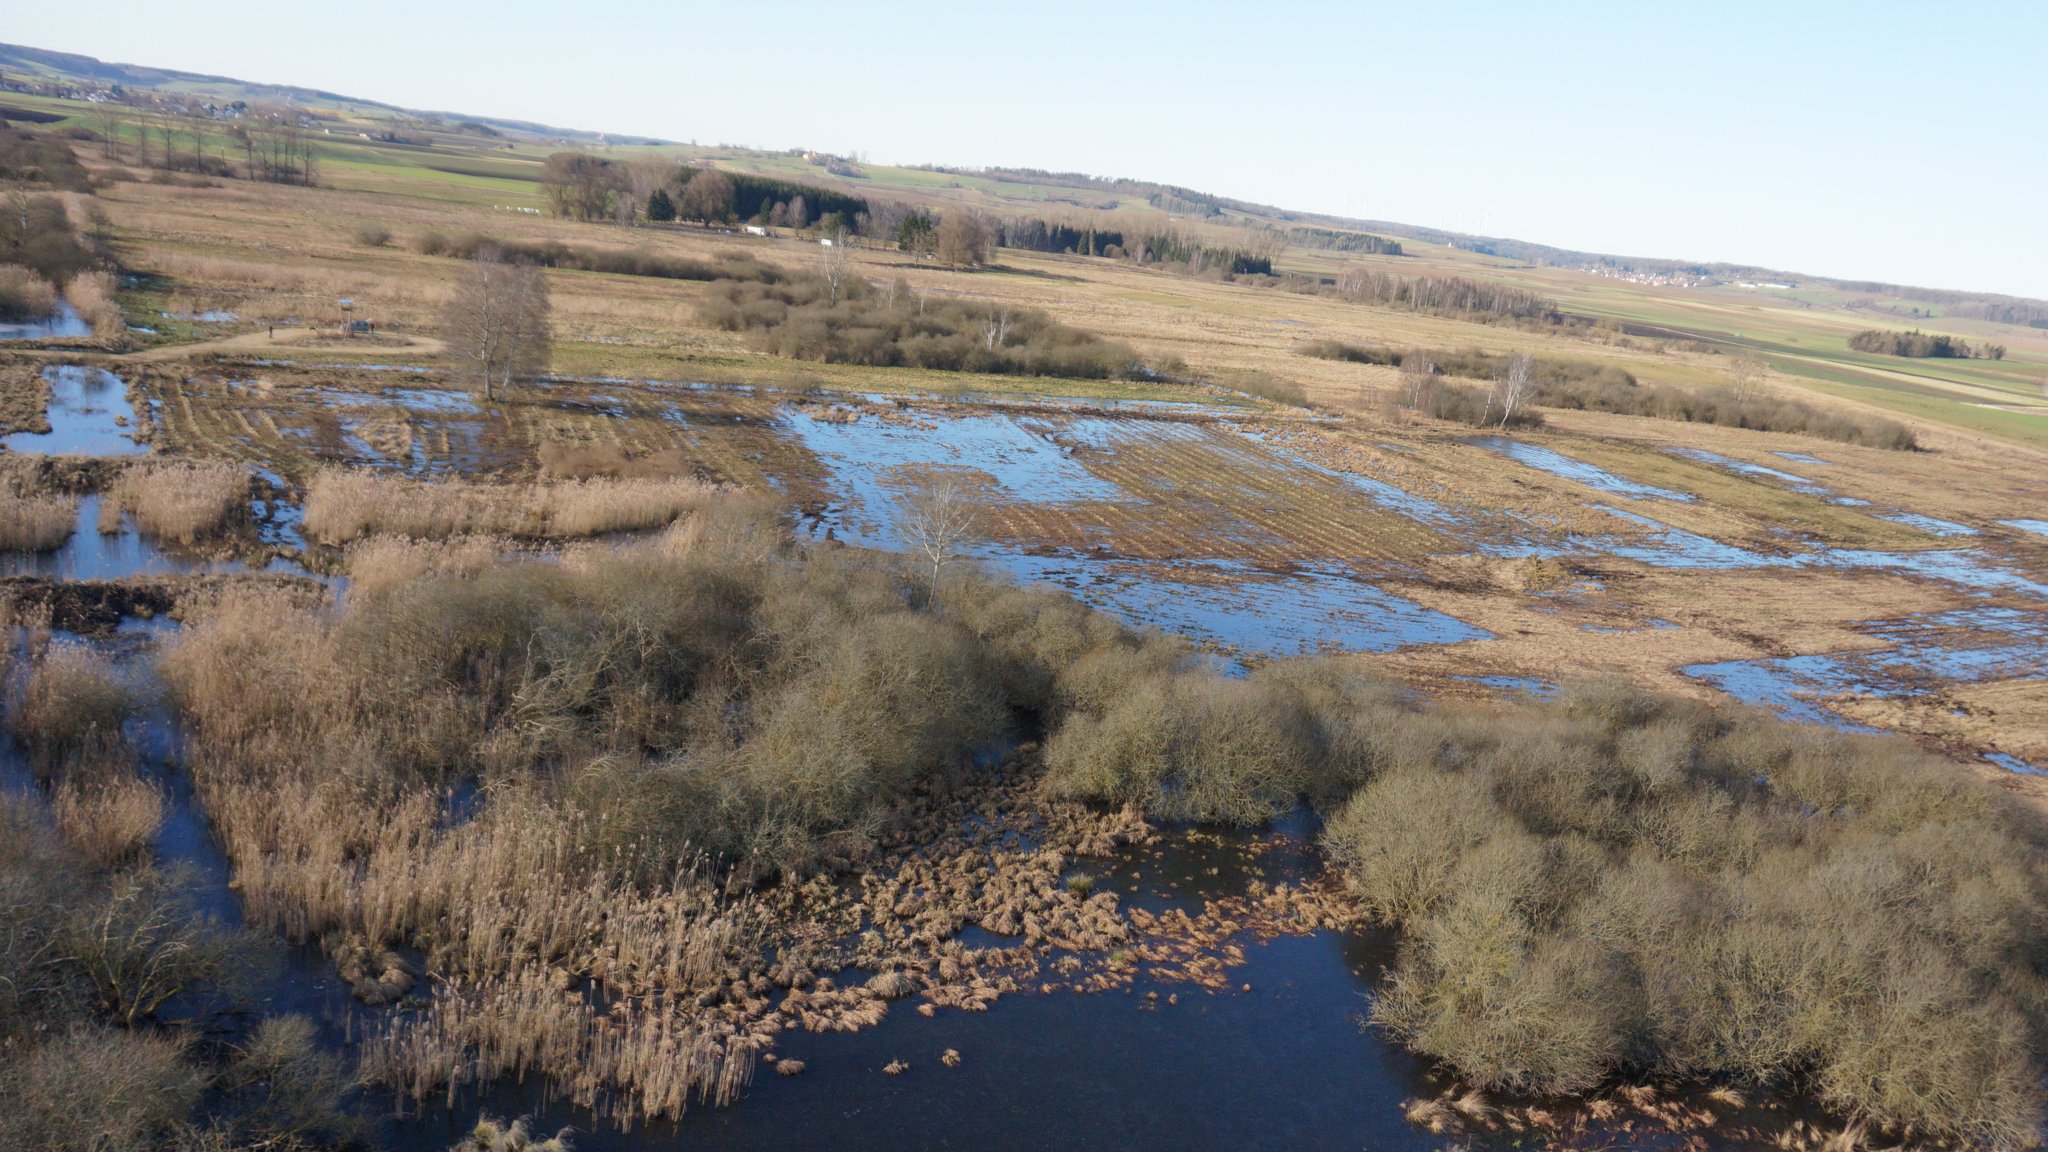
[617,261]
[1625,883]
[1727,408]
[852,322]
[1631,884]
[1596,387]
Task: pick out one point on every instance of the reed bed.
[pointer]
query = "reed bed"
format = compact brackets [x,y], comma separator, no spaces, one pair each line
[111,822]
[71,713]
[180,501]
[36,523]
[343,506]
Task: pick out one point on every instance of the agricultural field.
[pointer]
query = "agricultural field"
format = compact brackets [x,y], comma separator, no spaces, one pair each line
[511,622]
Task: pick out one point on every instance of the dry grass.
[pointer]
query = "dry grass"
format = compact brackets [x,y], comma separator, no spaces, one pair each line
[110,822]
[345,506]
[71,714]
[25,296]
[36,523]
[92,295]
[182,501]
[377,563]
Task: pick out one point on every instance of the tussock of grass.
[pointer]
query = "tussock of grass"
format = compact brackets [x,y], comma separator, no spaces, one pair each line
[342,506]
[36,523]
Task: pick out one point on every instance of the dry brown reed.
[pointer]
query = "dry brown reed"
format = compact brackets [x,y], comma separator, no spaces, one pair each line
[181,501]
[36,523]
[71,714]
[342,506]
[25,296]
[92,295]
[110,821]
[377,563]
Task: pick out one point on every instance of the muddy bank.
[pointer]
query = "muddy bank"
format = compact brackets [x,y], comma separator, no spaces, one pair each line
[98,608]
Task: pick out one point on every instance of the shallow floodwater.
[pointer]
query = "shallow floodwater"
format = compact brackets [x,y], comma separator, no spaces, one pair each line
[89,415]
[1558,464]
[1963,646]
[65,325]
[1298,609]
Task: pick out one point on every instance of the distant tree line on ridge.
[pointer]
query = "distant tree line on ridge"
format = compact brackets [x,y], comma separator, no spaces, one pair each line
[581,186]
[1922,346]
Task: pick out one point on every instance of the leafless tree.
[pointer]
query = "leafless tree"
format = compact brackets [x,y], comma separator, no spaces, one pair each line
[1418,376]
[965,239]
[1515,386]
[497,325]
[1749,371]
[838,259]
[942,514]
[996,328]
[707,197]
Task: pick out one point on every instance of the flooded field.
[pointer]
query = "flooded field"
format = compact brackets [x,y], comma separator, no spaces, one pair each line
[1205,521]
[1189,518]
[89,414]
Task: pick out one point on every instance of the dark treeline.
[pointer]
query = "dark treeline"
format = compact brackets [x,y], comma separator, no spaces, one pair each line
[2003,312]
[1165,245]
[1331,240]
[1444,295]
[622,262]
[1921,345]
[806,319]
[582,186]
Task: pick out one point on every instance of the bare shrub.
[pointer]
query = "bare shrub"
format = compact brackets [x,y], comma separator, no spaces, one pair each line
[110,822]
[497,323]
[24,295]
[371,235]
[182,501]
[1187,747]
[97,1088]
[141,946]
[1626,880]
[36,523]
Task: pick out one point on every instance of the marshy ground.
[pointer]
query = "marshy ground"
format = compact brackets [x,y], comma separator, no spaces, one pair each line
[341,612]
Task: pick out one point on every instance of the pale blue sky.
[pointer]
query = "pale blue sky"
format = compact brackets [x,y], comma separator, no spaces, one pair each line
[1884,140]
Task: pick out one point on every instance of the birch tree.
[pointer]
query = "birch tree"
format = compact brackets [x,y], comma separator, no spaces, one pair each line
[497,325]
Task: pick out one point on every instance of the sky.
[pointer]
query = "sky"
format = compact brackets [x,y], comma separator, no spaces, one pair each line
[1874,140]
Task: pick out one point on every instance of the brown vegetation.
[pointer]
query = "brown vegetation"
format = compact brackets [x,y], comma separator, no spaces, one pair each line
[1625,882]
[342,506]
[808,319]
[36,523]
[180,501]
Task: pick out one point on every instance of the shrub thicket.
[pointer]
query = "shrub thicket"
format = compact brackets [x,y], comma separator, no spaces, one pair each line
[807,319]
[617,261]
[1596,387]
[1627,882]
